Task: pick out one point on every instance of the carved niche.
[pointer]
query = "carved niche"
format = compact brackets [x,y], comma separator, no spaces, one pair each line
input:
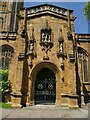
[32,48]
[61,54]
[46,39]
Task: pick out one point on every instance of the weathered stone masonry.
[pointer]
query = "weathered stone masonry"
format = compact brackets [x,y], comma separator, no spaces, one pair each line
[46,40]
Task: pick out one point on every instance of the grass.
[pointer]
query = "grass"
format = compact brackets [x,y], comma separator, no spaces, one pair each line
[5,105]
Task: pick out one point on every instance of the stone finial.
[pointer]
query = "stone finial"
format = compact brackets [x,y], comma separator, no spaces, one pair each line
[69,25]
[47,25]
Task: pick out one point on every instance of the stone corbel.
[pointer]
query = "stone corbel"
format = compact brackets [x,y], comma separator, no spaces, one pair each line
[21,56]
[16,94]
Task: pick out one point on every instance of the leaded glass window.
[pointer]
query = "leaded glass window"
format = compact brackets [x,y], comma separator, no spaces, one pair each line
[85,72]
[5,56]
[83,60]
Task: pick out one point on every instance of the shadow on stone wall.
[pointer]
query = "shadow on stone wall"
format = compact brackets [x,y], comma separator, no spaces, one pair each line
[78,86]
[86,98]
[24,89]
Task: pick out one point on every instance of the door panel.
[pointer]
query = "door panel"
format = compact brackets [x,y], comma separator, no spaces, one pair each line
[45,92]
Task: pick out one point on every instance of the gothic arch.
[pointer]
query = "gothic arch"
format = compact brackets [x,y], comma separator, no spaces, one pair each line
[41,65]
[7,47]
[80,49]
[34,72]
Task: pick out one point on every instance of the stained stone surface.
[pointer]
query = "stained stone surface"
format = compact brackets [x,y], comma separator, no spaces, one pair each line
[45,112]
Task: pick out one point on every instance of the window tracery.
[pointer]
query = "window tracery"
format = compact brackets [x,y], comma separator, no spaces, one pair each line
[83,60]
[5,57]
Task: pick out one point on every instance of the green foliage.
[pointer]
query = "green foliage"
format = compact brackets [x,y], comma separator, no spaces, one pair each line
[87,10]
[4,82]
[5,105]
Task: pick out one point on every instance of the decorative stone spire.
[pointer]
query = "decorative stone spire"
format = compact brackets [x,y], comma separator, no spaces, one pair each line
[69,25]
[24,31]
[47,25]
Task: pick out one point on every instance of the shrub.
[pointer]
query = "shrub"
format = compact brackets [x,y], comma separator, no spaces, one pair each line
[4,83]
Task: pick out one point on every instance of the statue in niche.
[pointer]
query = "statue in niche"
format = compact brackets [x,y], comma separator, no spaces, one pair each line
[60,40]
[45,37]
[31,47]
[61,47]
[31,43]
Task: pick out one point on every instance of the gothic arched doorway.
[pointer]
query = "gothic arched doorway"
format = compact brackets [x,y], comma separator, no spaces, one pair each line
[45,87]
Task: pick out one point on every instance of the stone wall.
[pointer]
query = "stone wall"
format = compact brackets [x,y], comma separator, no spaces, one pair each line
[31,55]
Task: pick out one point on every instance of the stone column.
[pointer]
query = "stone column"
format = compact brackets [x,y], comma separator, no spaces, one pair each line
[30,88]
[64,85]
[72,82]
[58,89]
[16,84]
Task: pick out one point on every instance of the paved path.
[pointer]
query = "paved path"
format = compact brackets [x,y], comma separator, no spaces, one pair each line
[44,112]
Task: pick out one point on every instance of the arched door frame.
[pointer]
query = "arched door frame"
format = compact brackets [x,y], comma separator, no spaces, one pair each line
[33,74]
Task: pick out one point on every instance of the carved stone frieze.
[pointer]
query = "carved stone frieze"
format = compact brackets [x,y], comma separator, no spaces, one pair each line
[46,7]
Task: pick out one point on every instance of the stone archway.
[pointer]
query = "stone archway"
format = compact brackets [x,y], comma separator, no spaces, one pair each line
[33,77]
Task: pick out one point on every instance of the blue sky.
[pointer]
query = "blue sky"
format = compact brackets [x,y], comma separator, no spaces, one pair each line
[81,24]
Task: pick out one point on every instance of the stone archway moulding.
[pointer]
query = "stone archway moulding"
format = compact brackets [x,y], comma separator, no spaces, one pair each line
[33,74]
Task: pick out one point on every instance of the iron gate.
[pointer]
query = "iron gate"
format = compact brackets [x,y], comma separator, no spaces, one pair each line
[46,91]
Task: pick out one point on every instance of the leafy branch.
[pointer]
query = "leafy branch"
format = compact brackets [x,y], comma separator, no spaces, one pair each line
[87,10]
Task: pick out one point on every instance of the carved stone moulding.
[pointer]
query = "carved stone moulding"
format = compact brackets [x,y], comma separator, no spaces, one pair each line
[21,56]
[54,9]
[72,58]
[46,57]
[16,94]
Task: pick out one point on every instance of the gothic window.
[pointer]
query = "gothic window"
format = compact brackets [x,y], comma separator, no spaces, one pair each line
[4,6]
[6,54]
[7,62]
[85,72]
[83,60]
